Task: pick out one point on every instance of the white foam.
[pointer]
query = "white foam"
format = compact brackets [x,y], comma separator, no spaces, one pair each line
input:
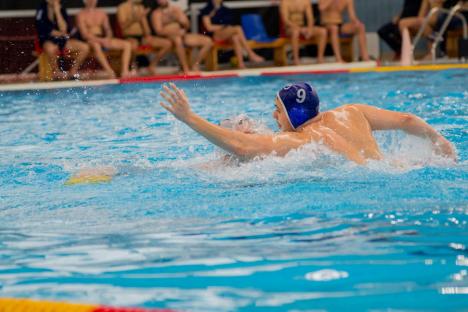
[326,275]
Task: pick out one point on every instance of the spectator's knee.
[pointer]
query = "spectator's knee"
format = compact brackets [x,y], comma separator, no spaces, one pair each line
[127,46]
[50,49]
[178,41]
[95,46]
[361,27]
[167,45]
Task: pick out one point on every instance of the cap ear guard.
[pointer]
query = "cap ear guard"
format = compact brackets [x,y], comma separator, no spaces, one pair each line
[300,102]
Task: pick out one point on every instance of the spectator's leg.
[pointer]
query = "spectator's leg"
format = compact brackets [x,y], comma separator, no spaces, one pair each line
[254,57]
[80,50]
[126,48]
[236,41]
[334,32]
[204,42]
[230,33]
[102,59]
[51,50]
[321,34]
[390,34]
[360,29]
[180,51]
[163,45]
[295,34]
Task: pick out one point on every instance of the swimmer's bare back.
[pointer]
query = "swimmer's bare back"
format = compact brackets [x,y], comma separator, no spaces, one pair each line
[346,130]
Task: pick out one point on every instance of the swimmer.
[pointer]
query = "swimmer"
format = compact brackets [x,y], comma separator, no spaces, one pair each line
[346,130]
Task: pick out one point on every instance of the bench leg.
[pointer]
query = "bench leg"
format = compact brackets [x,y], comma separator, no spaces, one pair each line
[347,50]
[212,59]
[45,70]
[279,56]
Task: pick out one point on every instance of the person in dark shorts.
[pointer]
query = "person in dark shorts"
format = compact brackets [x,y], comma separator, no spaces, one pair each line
[390,33]
[55,35]
[218,22]
[331,13]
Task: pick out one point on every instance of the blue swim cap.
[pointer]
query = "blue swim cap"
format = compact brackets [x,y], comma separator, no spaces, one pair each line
[300,102]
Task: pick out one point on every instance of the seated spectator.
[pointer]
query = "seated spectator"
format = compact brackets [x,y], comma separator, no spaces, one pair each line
[95,28]
[413,24]
[292,14]
[132,18]
[54,30]
[390,32]
[170,21]
[218,22]
[332,17]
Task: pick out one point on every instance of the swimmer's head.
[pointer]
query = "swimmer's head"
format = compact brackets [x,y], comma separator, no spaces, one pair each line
[296,104]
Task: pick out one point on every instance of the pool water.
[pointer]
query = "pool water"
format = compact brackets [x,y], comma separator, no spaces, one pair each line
[177,228]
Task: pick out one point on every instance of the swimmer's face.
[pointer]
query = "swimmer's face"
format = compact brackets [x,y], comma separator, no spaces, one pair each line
[280,115]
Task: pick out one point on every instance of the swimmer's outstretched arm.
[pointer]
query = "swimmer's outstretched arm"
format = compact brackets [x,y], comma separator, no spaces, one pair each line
[241,144]
[381,119]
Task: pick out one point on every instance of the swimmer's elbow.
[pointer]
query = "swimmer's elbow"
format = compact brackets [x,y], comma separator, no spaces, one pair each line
[407,120]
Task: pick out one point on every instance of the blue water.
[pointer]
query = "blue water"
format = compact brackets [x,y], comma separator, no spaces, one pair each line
[301,233]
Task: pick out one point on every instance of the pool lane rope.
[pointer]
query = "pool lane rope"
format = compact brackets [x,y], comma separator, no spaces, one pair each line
[28,305]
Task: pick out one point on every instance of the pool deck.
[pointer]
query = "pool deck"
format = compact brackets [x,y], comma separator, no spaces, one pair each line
[328,68]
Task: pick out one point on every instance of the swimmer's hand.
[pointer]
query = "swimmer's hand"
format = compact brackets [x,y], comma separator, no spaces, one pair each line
[176,102]
[443,147]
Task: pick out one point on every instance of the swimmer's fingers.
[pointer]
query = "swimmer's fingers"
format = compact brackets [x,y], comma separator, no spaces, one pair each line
[180,93]
[166,107]
[169,92]
[168,98]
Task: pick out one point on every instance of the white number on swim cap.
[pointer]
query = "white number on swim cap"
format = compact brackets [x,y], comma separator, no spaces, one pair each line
[301,96]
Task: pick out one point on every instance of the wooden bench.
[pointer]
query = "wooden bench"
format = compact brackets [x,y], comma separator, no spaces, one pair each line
[280,48]
[277,46]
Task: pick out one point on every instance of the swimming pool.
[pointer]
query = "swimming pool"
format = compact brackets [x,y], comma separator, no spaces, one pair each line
[296,234]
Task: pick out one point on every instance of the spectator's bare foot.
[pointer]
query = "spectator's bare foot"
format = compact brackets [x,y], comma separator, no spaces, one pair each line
[296,63]
[196,68]
[241,66]
[320,60]
[110,74]
[60,75]
[152,70]
[256,58]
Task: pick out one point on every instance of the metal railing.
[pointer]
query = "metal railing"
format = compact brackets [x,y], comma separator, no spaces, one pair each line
[451,13]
